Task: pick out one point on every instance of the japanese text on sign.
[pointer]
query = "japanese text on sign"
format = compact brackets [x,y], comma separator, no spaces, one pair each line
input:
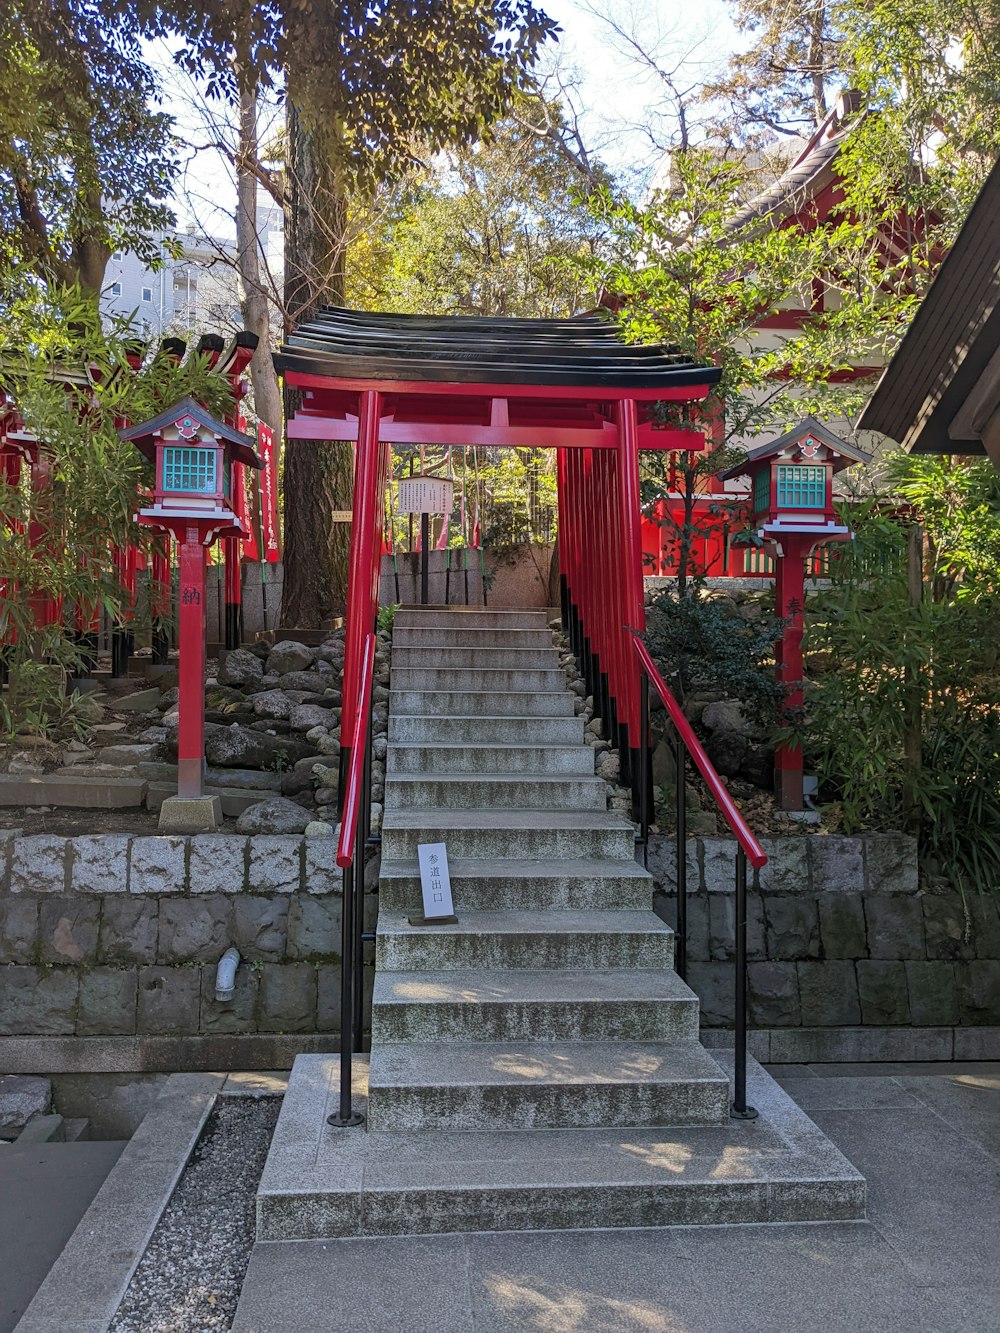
[435,882]
[425,495]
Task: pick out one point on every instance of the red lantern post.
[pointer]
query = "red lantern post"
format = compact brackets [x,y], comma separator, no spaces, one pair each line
[791,502]
[194,457]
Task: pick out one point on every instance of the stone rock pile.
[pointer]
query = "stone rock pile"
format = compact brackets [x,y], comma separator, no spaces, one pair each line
[278,708]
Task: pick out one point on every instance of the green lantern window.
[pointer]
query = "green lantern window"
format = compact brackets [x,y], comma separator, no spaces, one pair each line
[801,487]
[762,492]
[191,470]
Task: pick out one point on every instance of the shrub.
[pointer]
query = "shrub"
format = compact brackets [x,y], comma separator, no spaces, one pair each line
[702,643]
[899,667]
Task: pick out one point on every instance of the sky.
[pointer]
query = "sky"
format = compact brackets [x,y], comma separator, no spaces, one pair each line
[624,101]
[624,116]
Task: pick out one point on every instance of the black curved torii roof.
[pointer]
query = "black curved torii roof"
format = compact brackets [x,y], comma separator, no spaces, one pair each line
[568,354]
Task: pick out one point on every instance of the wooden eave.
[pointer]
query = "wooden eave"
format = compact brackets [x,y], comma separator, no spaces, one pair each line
[947,356]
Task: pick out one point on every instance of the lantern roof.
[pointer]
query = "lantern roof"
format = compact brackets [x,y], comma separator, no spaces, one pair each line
[841,454]
[144,435]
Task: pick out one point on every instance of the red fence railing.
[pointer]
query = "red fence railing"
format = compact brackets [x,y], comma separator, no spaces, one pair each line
[603,614]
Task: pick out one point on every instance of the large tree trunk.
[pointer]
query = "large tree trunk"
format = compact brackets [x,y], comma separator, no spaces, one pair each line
[254,304]
[318,477]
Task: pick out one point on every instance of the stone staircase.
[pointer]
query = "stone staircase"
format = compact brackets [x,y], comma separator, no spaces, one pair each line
[537,1063]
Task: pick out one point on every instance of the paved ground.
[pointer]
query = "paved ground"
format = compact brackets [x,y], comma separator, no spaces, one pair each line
[45,1188]
[926,1136]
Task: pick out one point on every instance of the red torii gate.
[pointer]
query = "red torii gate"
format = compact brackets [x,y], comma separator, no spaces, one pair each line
[568,384]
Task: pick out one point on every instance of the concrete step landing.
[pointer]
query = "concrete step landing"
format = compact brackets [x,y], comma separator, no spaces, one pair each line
[321,1182]
[544,1085]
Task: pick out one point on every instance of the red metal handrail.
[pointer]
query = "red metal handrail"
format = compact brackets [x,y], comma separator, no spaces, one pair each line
[359,750]
[741,829]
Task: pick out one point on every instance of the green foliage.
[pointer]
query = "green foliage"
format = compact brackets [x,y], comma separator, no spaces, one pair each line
[701,643]
[385,618]
[384,80]
[72,384]
[691,281]
[519,500]
[36,705]
[930,68]
[86,162]
[484,232]
[957,501]
[882,663]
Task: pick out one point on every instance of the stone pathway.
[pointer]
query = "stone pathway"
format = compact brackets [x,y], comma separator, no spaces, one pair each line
[926,1137]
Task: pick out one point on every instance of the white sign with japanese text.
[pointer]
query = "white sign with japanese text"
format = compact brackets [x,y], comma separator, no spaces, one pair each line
[426,495]
[435,880]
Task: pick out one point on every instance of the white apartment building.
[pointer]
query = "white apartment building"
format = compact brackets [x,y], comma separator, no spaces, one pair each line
[195,292]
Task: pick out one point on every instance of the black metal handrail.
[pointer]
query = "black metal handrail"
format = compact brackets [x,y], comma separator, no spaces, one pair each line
[747,848]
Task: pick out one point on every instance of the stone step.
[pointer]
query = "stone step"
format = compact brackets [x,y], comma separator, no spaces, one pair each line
[486,730]
[505,939]
[533,1005]
[494,657]
[234,799]
[480,679]
[543,1085]
[321,1182]
[432,639]
[456,617]
[91,792]
[518,834]
[491,885]
[487,759]
[256,779]
[500,791]
[483,704]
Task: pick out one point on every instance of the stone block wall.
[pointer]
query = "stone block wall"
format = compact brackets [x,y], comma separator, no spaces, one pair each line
[119,936]
[840,934]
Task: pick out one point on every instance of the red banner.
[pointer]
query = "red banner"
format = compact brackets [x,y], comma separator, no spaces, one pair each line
[269,494]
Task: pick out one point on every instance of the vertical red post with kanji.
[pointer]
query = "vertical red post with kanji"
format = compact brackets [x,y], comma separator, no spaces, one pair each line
[191,666]
[790,594]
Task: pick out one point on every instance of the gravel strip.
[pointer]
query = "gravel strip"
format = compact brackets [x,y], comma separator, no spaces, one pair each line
[190,1276]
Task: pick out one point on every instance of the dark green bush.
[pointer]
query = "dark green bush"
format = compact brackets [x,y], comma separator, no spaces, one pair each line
[701,643]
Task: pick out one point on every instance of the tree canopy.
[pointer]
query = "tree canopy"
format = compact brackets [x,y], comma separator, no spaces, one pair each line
[86,161]
[486,231]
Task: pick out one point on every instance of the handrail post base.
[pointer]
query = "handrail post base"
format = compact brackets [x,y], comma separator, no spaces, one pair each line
[747,1113]
[352,1121]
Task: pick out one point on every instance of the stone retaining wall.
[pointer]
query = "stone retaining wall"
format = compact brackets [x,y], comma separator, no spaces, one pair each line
[118,936]
[109,944]
[840,935]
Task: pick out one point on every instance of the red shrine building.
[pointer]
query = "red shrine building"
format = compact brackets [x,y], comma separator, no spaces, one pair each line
[808,193]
